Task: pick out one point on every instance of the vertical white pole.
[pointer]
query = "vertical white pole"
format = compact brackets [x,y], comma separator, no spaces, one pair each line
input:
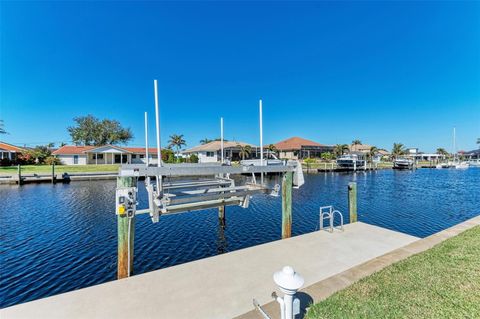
[159,147]
[146,140]
[221,138]
[454,144]
[261,138]
[261,132]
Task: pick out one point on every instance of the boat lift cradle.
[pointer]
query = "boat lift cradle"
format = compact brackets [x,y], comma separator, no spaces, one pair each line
[194,193]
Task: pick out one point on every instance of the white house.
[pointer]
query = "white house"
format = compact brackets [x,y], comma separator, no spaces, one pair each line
[211,152]
[107,154]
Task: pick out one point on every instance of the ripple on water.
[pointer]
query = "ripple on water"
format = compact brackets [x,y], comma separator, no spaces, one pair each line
[58,238]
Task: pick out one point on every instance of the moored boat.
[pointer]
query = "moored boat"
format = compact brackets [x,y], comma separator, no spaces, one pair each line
[403,163]
[350,161]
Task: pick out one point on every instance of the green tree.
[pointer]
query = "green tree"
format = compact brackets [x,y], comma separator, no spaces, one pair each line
[2,128]
[340,149]
[397,150]
[89,130]
[478,141]
[326,156]
[372,153]
[443,152]
[177,141]
[272,149]
[193,158]
[245,151]
[205,141]
[354,144]
[39,154]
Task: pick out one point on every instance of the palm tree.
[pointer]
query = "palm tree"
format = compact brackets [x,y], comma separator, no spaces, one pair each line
[2,128]
[478,142]
[271,149]
[245,151]
[177,141]
[340,149]
[397,150]
[373,151]
[442,151]
[205,141]
[354,143]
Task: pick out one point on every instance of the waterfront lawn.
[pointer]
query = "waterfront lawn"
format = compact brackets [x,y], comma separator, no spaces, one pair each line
[59,169]
[443,282]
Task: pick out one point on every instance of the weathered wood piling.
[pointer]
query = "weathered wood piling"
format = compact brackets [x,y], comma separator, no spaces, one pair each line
[221,216]
[125,249]
[352,201]
[19,170]
[287,181]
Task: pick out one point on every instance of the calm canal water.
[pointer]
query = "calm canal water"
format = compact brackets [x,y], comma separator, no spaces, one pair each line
[58,238]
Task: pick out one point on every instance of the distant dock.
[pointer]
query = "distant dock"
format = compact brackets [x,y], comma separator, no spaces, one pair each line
[16,179]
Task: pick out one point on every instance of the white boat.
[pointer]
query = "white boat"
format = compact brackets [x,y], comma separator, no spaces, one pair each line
[350,161]
[474,163]
[462,165]
[273,160]
[403,163]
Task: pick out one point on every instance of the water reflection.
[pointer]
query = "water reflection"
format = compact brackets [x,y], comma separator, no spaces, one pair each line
[57,238]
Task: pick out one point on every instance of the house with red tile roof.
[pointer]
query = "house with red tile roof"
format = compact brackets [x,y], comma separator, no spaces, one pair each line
[300,148]
[105,154]
[9,151]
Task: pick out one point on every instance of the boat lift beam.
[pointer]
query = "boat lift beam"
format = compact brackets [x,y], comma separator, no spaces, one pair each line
[182,170]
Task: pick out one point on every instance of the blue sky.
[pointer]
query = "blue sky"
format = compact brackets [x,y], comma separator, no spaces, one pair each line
[381,72]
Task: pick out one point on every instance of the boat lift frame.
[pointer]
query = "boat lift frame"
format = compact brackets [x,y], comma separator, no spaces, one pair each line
[218,191]
[211,187]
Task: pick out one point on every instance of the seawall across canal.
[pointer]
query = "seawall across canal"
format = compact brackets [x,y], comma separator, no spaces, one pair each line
[222,286]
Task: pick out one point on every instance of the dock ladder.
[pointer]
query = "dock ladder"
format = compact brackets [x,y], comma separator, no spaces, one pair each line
[328,212]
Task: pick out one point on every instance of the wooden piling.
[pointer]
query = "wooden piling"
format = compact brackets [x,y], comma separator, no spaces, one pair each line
[352,201]
[287,182]
[53,174]
[122,227]
[221,216]
[19,174]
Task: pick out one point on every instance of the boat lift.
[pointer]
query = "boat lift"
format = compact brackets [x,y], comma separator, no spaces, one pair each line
[179,188]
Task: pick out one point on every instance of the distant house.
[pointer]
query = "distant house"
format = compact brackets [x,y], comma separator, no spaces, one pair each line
[211,152]
[9,151]
[299,148]
[106,154]
[365,150]
[474,154]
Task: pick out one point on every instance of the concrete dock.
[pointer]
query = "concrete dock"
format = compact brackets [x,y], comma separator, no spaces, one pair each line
[222,286]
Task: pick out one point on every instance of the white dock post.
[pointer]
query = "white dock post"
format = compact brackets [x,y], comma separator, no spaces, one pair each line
[146,140]
[221,138]
[159,147]
[261,138]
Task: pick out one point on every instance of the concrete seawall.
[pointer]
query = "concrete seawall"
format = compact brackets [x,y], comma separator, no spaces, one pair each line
[222,286]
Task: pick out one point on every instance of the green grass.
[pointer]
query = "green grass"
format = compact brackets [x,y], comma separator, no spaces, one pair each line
[59,169]
[443,282]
